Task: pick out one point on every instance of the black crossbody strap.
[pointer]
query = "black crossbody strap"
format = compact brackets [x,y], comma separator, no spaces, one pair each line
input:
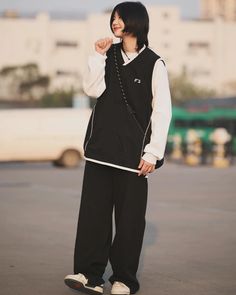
[131,111]
[159,163]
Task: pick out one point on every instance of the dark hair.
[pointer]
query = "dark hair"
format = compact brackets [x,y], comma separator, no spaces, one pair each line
[135,18]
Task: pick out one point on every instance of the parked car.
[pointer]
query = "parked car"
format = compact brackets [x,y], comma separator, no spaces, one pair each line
[43,135]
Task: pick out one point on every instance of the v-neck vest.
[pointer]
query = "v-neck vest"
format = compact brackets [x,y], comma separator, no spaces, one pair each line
[113,135]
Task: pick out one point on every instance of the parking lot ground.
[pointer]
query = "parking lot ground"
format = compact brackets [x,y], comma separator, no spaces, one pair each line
[190,239]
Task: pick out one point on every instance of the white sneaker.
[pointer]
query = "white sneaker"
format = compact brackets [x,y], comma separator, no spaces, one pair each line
[119,288]
[80,283]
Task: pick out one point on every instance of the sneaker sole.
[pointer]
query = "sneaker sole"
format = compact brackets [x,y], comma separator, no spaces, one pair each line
[78,286]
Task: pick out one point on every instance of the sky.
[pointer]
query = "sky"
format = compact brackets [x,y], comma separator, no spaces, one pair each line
[189,8]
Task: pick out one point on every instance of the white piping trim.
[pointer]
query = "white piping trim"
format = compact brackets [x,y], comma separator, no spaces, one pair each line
[93,112]
[113,165]
[144,138]
[128,61]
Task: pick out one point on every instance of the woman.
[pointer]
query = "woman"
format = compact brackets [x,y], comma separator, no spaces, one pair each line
[124,142]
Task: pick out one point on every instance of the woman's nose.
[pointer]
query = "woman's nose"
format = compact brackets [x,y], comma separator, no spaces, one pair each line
[115,21]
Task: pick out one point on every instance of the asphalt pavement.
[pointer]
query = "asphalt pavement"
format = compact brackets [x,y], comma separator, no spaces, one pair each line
[189,244]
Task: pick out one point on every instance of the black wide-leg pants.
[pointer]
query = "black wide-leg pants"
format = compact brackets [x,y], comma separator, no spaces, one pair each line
[104,188]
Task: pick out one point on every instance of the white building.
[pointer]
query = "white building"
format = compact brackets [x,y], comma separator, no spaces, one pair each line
[204,49]
[225,9]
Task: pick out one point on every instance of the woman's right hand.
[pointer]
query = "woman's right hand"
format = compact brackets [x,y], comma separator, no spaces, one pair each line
[102,45]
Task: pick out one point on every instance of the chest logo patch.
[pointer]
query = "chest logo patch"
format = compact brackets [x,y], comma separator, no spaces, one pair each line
[136,80]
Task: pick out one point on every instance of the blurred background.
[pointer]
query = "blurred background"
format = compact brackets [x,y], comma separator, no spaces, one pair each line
[43,118]
[44,51]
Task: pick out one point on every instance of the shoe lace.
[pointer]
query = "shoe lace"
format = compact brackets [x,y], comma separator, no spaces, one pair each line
[80,275]
[83,277]
[120,284]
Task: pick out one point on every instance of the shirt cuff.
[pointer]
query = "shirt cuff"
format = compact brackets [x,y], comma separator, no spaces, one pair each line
[96,61]
[99,55]
[150,158]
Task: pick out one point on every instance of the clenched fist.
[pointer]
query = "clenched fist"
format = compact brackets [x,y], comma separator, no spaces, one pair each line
[102,45]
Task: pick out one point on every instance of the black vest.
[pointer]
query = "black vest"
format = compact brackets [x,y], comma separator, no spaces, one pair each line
[113,134]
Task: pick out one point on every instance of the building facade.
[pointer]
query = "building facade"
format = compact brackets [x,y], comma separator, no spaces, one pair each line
[203,49]
[225,9]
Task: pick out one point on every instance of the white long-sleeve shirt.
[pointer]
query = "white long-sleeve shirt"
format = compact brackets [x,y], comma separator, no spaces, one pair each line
[94,85]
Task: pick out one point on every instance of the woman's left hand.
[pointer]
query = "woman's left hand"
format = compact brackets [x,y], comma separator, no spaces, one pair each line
[146,167]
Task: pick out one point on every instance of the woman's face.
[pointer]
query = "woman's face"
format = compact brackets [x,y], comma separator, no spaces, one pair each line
[117,26]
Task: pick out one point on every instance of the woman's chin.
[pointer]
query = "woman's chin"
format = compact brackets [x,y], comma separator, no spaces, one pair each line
[118,35]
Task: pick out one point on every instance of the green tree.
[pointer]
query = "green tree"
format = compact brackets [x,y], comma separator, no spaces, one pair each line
[182,89]
[59,98]
[23,82]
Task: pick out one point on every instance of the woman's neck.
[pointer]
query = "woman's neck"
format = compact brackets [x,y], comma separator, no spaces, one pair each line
[130,43]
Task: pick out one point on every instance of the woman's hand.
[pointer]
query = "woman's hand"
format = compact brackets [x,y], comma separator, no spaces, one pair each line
[102,45]
[146,167]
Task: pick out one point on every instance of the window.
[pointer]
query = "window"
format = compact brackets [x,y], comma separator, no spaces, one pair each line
[64,43]
[166,31]
[165,14]
[198,45]
[166,45]
[65,73]
[181,123]
[200,72]
[193,123]
[184,69]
